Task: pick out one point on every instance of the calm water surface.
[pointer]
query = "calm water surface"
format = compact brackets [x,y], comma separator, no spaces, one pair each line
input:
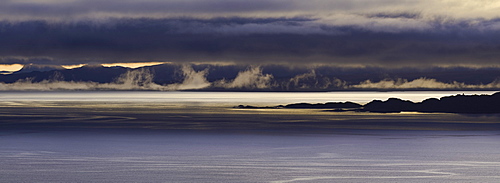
[352,156]
[207,98]
[198,137]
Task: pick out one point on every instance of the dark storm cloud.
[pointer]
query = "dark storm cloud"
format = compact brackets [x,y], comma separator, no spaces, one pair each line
[280,45]
[254,40]
[395,15]
[356,32]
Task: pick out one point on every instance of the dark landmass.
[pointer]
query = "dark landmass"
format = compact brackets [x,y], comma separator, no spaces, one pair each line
[94,117]
[279,77]
[471,104]
[38,68]
[328,105]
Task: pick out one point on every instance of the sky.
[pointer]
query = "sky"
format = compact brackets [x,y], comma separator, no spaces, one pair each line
[385,33]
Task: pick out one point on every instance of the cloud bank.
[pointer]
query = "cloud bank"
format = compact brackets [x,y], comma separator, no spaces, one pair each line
[388,33]
[390,42]
[78,9]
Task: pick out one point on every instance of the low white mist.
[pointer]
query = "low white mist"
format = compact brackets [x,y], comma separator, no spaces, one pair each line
[421,83]
[192,80]
[252,78]
[311,80]
[140,79]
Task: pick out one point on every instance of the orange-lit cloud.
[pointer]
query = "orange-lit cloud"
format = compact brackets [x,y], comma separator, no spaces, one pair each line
[10,67]
[73,66]
[133,65]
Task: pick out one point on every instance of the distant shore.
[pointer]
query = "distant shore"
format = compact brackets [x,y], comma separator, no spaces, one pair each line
[473,104]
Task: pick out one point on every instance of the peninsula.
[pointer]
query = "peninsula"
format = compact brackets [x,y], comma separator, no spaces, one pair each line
[471,104]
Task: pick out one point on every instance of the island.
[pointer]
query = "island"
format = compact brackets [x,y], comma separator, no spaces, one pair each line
[471,104]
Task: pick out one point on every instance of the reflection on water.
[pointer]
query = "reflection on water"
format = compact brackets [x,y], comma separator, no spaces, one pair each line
[58,138]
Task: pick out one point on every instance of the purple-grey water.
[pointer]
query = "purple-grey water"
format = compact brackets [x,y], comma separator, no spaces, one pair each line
[54,137]
[354,156]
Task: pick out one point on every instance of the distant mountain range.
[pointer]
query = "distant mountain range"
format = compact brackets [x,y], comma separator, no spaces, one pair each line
[37,67]
[265,77]
[472,104]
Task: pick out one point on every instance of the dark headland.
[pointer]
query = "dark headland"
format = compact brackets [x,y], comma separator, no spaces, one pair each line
[472,104]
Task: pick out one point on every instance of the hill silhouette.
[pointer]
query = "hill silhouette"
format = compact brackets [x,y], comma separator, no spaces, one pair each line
[329,105]
[38,68]
[472,104]
[277,77]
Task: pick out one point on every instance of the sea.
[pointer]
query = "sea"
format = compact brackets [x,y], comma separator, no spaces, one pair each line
[153,136]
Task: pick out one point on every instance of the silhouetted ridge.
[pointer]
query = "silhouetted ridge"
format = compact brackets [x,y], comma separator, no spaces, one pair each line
[38,67]
[463,104]
[479,104]
[329,105]
[390,105]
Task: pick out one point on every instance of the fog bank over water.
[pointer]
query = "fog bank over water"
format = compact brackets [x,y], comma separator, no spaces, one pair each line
[213,77]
